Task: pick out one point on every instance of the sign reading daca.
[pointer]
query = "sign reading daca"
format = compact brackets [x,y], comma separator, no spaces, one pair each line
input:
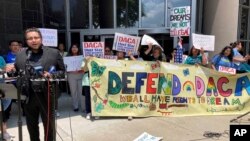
[140,88]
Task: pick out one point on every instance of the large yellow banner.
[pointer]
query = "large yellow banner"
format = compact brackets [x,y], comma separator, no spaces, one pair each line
[141,89]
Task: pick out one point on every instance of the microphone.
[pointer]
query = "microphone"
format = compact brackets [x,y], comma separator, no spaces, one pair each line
[29,54]
[52,69]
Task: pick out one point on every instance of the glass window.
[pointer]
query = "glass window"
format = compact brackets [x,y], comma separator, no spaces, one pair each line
[127,13]
[79,14]
[244,23]
[244,2]
[103,16]
[153,13]
[54,14]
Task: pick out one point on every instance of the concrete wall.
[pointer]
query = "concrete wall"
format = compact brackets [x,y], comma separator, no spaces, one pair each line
[221,20]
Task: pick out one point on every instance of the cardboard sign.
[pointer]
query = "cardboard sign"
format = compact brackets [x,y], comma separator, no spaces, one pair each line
[205,41]
[227,70]
[74,63]
[126,43]
[180,21]
[147,39]
[49,37]
[95,49]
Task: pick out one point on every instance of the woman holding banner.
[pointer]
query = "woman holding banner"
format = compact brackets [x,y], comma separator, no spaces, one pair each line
[224,59]
[196,56]
[240,60]
[75,80]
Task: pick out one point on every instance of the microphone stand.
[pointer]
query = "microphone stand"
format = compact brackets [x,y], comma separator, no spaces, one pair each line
[19,122]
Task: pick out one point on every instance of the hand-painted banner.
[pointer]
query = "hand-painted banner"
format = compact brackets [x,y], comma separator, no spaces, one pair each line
[126,43]
[95,49]
[141,89]
[180,21]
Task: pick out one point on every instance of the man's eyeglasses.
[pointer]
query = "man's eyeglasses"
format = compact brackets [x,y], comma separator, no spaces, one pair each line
[31,38]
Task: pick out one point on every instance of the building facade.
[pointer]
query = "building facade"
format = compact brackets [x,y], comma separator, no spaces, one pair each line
[97,20]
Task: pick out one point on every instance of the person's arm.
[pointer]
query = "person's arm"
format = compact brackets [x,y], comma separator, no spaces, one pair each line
[131,56]
[150,46]
[239,59]
[213,67]
[204,57]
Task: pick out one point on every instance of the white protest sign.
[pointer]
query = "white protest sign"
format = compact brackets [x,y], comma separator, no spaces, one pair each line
[147,137]
[180,21]
[74,63]
[126,43]
[147,39]
[227,70]
[205,41]
[49,37]
[93,49]
[110,57]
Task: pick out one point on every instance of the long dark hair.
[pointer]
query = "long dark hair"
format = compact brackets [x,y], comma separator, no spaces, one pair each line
[230,57]
[191,52]
[70,50]
[235,44]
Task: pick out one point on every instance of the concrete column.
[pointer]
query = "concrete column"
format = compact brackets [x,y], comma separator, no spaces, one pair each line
[221,20]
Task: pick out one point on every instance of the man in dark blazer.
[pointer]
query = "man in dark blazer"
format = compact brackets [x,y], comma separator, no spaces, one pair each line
[37,56]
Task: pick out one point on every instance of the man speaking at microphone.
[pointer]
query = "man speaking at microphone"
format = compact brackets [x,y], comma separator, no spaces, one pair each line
[37,55]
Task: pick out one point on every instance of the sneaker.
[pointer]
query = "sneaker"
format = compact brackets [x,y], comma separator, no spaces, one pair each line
[57,114]
[130,118]
[76,110]
[6,136]
[88,116]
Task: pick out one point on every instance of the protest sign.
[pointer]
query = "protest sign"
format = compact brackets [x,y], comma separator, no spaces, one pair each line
[95,49]
[227,70]
[49,37]
[180,21]
[147,137]
[141,89]
[147,39]
[126,43]
[205,41]
[73,63]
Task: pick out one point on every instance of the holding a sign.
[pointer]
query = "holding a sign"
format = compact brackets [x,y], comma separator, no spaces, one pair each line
[180,21]
[49,37]
[74,63]
[147,39]
[93,49]
[126,43]
[205,41]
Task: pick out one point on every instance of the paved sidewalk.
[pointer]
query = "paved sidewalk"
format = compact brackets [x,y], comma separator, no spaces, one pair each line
[73,126]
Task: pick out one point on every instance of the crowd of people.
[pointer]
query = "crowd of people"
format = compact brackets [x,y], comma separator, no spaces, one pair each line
[79,82]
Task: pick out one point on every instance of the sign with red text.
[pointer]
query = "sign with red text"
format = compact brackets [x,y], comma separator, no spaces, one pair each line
[141,89]
[180,21]
[95,49]
[126,43]
[227,70]
[206,42]
[49,37]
